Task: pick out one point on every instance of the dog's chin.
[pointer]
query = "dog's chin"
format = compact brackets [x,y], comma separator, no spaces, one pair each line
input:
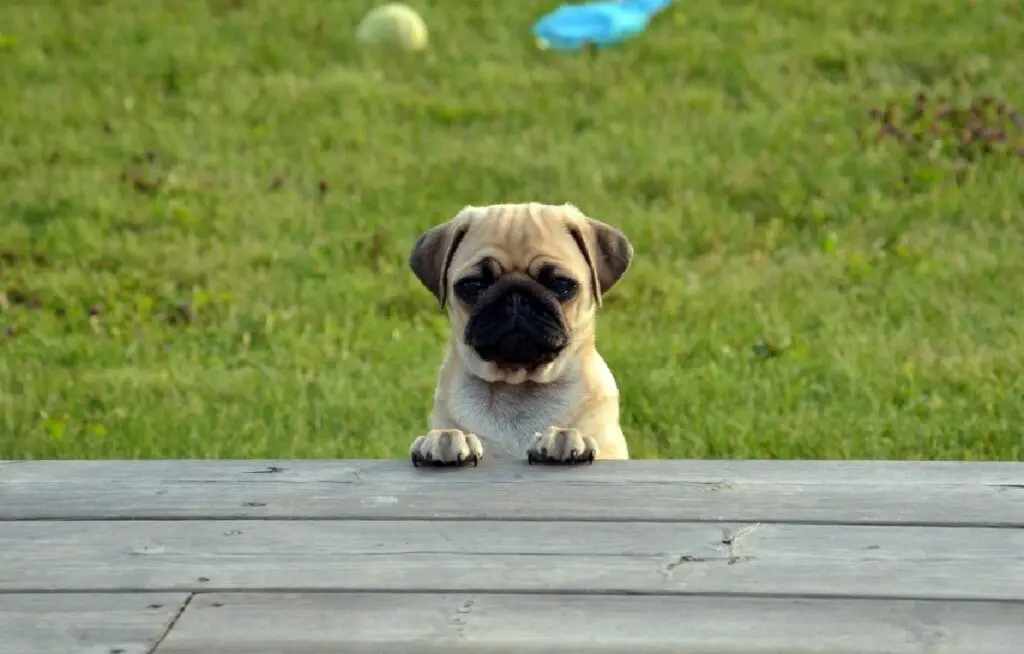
[492,373]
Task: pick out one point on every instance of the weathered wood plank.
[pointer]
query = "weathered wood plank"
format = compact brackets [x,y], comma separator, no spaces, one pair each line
[85,624]
[241,489]
[557,556]
[566,624]
[697,471]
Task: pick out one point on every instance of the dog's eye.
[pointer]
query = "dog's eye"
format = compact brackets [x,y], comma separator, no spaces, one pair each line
[470,288]
[563,287]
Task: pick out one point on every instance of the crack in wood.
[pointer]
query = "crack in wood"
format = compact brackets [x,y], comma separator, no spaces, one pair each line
[731,541]
[728,559]
[171,624]
[685,558]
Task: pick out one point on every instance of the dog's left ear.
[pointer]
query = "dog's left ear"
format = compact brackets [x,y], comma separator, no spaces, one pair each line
[432,256]
[607,250]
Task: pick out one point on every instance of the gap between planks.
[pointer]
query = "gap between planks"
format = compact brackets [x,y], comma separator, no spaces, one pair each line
[283,591]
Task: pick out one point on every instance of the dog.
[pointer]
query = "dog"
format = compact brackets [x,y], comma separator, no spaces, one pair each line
[521,374]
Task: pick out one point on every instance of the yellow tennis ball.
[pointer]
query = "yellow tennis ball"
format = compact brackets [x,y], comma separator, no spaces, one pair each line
[394,25]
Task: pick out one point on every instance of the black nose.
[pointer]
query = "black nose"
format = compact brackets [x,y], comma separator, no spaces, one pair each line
[520,327]
[517,305]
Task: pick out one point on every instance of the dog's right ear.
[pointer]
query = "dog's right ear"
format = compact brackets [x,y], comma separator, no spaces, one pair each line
[433,253]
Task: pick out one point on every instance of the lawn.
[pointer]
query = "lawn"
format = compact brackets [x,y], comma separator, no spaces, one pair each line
[207,209]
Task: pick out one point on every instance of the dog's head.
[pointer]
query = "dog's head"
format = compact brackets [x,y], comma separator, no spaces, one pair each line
[521,283]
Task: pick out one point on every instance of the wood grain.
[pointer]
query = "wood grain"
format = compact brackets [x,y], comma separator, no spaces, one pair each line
[554,624]
[717,557]
[557,556]
[85,623]
[698,471]
[899,493]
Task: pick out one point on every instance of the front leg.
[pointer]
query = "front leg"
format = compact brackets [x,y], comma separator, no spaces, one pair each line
[446,447]
[562,445]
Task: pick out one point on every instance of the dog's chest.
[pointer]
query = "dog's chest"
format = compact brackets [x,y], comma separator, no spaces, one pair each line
[506,417]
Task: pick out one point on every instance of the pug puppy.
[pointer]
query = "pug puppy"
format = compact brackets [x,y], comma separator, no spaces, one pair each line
[521,375]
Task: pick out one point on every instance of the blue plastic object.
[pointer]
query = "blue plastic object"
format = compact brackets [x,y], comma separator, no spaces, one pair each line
[570,27]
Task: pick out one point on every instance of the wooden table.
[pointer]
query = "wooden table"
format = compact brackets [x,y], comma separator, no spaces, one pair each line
[301,557]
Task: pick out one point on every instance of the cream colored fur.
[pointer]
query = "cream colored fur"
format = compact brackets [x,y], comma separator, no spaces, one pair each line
[565,411]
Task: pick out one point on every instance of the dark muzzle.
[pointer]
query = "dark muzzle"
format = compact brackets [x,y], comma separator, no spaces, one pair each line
[517,323]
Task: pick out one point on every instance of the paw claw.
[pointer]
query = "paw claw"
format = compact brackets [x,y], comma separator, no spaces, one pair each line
[446,448]
[561,445]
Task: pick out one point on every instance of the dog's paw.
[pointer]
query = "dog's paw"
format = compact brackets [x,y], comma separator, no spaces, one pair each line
[446,447]
[560,445]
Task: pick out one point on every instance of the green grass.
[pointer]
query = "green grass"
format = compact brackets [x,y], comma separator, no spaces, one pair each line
[177,285]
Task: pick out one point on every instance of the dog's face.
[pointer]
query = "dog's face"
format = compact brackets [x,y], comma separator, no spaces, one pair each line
[521,283]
